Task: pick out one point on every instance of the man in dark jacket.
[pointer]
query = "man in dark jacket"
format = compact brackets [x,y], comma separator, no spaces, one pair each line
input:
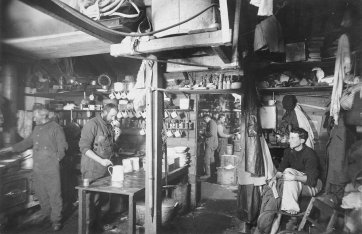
[49,145]
[96,144]
[299,172]
[211,143]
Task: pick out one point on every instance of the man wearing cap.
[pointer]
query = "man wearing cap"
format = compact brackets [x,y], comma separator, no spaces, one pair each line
[49,146]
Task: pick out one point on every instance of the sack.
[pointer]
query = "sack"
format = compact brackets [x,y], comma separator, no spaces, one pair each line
[347,98]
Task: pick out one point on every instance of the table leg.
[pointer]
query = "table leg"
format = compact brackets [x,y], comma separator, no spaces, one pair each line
[131,215]
[83,212]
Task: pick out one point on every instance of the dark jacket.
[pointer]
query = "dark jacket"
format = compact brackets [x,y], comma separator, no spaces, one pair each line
[96,136]
[211,135]
[49,145]
[305,160]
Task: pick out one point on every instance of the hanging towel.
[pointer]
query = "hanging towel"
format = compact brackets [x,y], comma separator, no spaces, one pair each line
[265,7]
[341,68]
[268,35]
[144,79]
[303,122]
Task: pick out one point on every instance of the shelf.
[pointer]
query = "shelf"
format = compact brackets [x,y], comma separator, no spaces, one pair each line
[224,111]
[179,128]
[52,95]
[296,89]
[77,110]
[301,65]
[67,94]
[186,110]
[202,91]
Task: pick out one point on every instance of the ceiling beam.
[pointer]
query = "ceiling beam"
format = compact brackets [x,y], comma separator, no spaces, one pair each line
[172,43]
[71,44]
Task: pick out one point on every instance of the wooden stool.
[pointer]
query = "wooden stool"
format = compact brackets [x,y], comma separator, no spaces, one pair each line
[324,208]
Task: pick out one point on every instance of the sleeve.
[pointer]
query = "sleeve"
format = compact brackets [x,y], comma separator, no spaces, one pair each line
[311,169]
[208,132]
[87,137]
[220,131]
[24,144]
[62,144]
[284,164]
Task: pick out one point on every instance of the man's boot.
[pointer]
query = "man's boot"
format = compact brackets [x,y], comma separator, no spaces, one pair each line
[207,174]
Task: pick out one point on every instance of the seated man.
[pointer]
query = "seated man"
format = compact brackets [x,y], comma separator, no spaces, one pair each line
[299,172]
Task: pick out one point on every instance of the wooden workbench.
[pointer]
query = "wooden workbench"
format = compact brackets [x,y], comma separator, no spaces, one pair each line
[133,186]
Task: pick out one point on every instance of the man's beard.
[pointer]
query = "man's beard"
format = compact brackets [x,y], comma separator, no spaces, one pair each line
[105,119]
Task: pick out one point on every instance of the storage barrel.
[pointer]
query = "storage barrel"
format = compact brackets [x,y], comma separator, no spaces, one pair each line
[227,159]
[226,176]
[229,149]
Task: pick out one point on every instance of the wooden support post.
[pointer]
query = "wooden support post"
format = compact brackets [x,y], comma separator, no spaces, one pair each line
[193,178]
[236,30]
[149,181]
[157,128]
[154,147]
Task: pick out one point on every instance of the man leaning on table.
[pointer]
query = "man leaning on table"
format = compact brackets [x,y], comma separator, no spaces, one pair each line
[97,146]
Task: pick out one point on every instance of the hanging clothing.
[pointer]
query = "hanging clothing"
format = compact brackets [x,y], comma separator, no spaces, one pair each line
[340,140]
[245,177]
[265,7]
[289,118]
[303,122]
[248,202]
[269,35]
[144,79]
[341,68]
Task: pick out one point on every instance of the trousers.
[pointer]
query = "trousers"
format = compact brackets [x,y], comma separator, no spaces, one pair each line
[48,190]
[209,160]
[293,189]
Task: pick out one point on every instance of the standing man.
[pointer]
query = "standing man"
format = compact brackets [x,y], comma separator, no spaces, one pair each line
[222,136]
[211,143]
[96,144]
[49,145]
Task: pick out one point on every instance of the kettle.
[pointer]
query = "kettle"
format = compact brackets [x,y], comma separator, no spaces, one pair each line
[117,173]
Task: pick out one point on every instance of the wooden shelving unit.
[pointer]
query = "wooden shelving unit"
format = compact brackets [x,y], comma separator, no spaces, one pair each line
[202,91]
[296,89]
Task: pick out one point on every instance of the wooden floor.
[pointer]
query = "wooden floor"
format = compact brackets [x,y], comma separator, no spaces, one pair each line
[215,214]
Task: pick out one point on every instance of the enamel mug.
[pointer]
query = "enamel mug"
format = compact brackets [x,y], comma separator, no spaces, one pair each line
[117,173]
